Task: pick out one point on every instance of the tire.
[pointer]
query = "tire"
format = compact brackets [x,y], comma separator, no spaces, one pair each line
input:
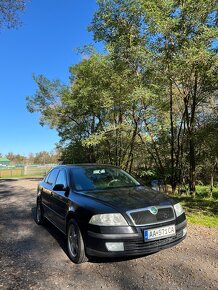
[75,244]
[39,213]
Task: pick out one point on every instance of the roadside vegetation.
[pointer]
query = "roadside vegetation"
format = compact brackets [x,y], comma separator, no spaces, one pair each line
[203,209]
[42,157]
[149,103]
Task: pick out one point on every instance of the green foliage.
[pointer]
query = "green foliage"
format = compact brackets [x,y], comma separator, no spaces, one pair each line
[47,101]
[9,13]
[150,104]
[173,50]
[74,153]
[204,191]
[42,157]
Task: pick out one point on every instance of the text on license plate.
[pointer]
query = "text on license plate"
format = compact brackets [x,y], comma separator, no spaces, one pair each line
[160,233]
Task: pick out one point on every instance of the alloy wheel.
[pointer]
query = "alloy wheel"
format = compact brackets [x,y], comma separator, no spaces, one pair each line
[73,240]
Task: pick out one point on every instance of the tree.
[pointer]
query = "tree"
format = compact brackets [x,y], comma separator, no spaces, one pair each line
[96,109]
[9,13]
[207,155]
[143,104]
[16,158]
[179,39]
[42,157]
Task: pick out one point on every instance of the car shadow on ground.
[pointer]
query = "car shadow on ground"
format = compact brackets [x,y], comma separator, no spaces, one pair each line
[21,178]
[6,190]
[53,231]
[2,180]
[62,241]
[97,260]
[32,178]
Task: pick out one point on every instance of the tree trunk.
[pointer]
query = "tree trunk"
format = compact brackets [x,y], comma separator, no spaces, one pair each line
[211,184]
[120,151]
[191,137]
[158,159]
[132,143]
[173,179]
[116,141]
[192,173]
[212,177]
[91,154]
[109,152]
[190,102]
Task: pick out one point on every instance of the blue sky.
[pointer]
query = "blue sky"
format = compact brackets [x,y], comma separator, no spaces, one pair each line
[44,44]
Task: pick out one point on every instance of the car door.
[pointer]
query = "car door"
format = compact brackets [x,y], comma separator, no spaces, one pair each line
[59,200]
[46,192]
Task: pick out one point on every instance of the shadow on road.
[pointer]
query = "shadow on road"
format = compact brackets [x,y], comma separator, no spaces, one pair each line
[2,180]
[35,257]
[61,239]
[53,231]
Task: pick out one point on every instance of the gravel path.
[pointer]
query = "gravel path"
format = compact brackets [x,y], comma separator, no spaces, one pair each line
[34,257]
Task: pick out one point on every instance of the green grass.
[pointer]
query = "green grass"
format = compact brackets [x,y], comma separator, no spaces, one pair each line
[204,191]
[200,219]
[201,211]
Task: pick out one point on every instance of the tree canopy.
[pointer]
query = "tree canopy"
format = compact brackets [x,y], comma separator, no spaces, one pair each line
[9,13]
[150,103]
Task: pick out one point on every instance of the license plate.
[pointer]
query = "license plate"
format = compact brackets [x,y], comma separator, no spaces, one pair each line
[160,233]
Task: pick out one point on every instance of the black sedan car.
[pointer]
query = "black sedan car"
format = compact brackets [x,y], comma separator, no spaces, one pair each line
[105,212]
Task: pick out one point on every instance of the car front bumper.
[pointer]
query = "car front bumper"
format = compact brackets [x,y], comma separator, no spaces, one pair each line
[132,240]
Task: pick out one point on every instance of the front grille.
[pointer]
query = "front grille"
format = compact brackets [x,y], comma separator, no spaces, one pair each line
[145,217]
[139,246]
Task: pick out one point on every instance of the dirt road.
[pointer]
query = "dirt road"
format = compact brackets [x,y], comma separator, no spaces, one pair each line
[34,257]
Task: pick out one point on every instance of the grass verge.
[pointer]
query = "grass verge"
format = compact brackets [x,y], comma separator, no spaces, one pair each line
[201,211]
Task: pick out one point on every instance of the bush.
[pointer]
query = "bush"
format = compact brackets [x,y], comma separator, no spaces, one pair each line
[204,191]
[215,192]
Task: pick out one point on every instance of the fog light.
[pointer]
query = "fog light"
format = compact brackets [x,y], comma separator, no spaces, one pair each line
[114,247]
[184,232]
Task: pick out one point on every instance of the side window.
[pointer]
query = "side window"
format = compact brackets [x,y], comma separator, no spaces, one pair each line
[52,177]
[61,179]
[46,178]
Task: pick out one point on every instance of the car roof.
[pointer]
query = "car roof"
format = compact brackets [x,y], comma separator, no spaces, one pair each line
[84,165]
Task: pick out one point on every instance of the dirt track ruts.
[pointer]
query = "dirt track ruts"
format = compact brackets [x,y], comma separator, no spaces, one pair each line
[34,257]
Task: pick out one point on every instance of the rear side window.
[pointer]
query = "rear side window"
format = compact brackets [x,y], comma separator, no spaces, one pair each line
[52,177]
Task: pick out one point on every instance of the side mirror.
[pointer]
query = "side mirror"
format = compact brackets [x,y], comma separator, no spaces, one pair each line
[59,187]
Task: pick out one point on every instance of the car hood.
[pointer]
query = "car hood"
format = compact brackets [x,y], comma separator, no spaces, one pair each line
[130,198]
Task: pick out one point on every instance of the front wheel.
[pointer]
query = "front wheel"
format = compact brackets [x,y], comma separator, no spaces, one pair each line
[75,244]
[39,213]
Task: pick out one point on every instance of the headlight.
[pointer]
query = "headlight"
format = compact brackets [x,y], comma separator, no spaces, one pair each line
[178,209]
[108,219]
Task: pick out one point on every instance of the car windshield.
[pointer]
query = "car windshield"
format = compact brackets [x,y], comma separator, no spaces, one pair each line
[99,177]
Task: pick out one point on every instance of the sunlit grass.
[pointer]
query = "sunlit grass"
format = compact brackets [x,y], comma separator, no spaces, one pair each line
[200,219]
[205,191]
[201,211]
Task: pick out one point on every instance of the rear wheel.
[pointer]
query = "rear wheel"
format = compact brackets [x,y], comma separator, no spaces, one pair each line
[75,244]
[39,213]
